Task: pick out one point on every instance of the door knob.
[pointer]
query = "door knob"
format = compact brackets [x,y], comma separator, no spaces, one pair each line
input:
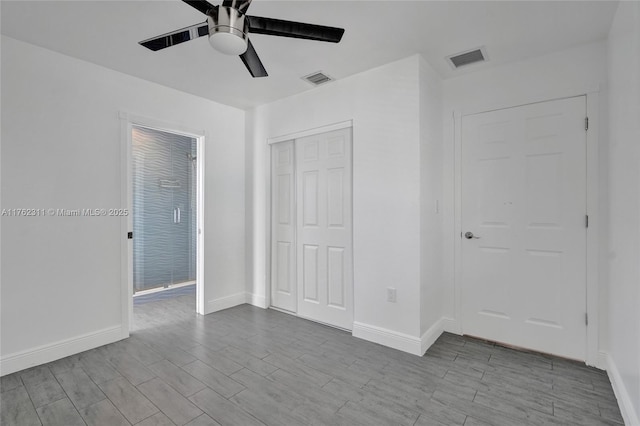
[469,235]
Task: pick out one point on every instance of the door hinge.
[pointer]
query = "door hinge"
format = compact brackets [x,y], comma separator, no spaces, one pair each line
[586,318]
[586,220]
[586,123]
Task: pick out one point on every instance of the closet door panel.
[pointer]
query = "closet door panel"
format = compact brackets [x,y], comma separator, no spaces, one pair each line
[324,231]
[283,261]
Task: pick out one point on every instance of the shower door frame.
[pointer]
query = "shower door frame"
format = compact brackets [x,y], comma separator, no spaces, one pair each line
[127,122]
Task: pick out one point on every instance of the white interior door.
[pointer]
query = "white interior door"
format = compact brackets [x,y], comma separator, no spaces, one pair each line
[283,230]
[324,252]
[524,199]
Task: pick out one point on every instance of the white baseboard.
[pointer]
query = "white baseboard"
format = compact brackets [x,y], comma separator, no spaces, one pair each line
[629,414]
[390,338]
[602,361]
[431,335]
[63,348]
[451,325]
[226,302]
[255,300]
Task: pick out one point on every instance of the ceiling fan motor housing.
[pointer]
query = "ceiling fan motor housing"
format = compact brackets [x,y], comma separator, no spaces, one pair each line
[228,30]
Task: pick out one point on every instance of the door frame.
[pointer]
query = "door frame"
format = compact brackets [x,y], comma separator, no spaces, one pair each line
[593,356]
[127,121]
[292,137]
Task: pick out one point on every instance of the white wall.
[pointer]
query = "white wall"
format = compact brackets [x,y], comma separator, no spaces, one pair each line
[431,230]
[61,149]
[566,73]
[257,178]
[384,106]
[624,204]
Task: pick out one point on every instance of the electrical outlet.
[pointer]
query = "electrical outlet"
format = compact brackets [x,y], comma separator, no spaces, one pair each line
[391,294]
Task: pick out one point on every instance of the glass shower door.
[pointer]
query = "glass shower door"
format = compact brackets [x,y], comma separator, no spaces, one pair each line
[182,237]
[163,208]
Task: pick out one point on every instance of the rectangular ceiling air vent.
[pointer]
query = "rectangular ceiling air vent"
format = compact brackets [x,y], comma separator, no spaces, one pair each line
[317,78]
[467,58]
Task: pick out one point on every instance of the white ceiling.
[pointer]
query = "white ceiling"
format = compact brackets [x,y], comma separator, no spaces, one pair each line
[377,32]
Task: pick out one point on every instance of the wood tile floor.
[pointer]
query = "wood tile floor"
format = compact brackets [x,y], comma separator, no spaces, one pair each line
[248,366]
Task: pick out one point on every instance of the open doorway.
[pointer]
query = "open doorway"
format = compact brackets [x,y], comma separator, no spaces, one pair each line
[164,195]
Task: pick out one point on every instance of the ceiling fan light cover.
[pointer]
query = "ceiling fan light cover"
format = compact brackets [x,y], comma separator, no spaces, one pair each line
[227,30]
[228,43]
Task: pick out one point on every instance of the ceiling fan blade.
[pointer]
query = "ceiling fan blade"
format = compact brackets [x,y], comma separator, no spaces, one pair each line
[253,62]
[279,27]
[202,5]
[176,37]
[241,5]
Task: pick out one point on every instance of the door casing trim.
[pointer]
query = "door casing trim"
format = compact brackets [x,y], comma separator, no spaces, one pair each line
[127,121]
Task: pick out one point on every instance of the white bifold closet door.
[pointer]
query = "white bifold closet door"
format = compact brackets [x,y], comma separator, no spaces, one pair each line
[283,227]
[312,266]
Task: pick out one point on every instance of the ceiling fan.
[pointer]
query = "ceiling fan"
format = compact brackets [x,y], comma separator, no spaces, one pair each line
[228,27]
